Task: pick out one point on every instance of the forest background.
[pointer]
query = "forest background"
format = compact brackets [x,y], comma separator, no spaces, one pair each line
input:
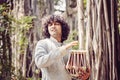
[95,23]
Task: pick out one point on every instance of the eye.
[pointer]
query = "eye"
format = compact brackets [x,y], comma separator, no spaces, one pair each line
[57,23]
[50,24]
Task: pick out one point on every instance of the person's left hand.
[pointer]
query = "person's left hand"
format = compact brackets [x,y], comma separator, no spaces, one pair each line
[74,43]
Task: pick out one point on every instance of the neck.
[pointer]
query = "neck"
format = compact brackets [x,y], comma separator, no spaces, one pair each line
[57,38]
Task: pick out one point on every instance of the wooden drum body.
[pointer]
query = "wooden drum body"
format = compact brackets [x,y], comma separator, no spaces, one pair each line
[77,65]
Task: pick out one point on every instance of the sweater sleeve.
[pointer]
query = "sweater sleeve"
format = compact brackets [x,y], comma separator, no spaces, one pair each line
[44,58]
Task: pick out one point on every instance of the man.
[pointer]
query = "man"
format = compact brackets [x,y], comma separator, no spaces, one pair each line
[49,52]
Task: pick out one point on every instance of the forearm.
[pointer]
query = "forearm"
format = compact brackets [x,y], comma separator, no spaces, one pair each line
[43,59]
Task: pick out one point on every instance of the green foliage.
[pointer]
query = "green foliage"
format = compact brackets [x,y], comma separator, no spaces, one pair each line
[3,7]
[56,2]
[2,29]
[20,28]
[37,71]
[4,17]
[5,48]
[23,25]
[85,3]
[72,37]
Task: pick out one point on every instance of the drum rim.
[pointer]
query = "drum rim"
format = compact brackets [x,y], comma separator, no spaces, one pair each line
[83,51]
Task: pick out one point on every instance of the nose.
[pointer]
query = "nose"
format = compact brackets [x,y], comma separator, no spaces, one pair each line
[53,25]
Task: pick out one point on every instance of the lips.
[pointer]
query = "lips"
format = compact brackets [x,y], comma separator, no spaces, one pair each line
[52,30]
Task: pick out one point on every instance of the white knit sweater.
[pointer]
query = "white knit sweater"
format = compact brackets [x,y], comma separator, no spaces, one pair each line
[49,58]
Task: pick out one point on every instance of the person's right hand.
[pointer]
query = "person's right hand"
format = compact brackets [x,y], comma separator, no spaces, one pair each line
[84,73]
[71,44]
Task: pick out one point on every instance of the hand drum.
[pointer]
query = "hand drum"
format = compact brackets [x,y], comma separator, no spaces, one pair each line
[77,65]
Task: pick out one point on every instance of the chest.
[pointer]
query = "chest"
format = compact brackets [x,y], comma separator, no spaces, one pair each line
[52,45]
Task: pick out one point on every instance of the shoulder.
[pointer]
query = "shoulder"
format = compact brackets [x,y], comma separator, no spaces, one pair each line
[42,40]
[43,44]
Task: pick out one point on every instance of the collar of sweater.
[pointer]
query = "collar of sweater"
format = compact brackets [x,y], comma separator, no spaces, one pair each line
[55,41]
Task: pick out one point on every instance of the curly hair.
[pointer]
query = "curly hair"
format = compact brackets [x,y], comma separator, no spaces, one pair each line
[64,25]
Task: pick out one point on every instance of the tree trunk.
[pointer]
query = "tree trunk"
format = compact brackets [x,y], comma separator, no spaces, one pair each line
[38,8]
[71,17]
[18,12]
[101,42]
[81,24]
[5,41]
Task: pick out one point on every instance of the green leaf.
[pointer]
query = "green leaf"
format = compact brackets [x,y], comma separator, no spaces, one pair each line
[2,29]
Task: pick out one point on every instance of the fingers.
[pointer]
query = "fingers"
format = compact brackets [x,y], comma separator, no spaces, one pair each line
[74,43]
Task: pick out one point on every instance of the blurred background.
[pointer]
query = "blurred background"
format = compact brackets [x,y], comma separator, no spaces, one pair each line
[94,23]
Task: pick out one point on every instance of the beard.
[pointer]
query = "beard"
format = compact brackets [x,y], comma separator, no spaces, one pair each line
[55,34]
